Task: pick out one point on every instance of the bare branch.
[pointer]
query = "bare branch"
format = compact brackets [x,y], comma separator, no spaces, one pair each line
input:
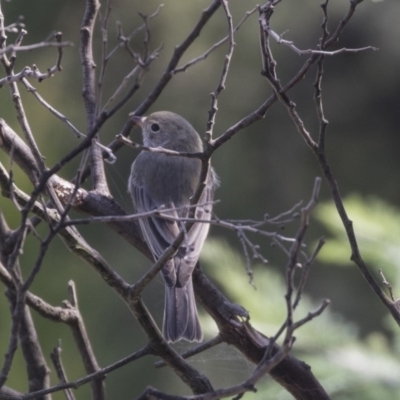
[306,271]
[215,45]
[224,74]
[232,320]
[319,151]
[110,155]
[88,378]
[34,71]
[198,382]
[196,350]
[89,93]
[252,343]
[12,48]
[84,346]
[388,285]
[259,113]
[16,26]
[84,201]
[164,79]
[56,358]
[36,366]
[312,314]
[12,341]
[279,39]
[174,60]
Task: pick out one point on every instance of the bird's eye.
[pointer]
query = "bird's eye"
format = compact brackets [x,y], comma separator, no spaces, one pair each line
[155,127]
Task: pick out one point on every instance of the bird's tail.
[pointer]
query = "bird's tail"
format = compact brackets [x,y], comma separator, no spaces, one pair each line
[180,314]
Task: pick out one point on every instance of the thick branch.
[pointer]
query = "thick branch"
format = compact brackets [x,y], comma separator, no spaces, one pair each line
[89,92]
[218,307]
[37,370]
[293,374]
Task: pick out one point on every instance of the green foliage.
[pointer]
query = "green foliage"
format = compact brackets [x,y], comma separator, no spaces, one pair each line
[348,367]
[377,226]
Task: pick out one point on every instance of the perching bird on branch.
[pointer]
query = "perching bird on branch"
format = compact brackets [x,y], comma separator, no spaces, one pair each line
[161,180]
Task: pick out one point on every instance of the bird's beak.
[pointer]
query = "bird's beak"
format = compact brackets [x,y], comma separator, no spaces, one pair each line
[137,120]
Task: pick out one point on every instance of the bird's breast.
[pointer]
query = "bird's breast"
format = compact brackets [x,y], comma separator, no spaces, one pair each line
[169,178]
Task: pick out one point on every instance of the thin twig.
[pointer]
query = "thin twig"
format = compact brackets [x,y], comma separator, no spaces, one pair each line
[56,358]
[306,266]
[319,151]
[90,377]
[292,264]
[224,74]
[12,48]
[174,60]
[196,350]
[84,345]
[215,46]
[279,39]
[388,285]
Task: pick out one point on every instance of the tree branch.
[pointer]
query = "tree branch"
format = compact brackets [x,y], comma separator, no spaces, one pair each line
[89,93]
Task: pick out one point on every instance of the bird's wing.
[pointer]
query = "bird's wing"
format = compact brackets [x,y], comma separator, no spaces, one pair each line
[194,239]
[159,233]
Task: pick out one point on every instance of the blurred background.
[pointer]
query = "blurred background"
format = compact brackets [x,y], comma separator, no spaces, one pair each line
[354,347]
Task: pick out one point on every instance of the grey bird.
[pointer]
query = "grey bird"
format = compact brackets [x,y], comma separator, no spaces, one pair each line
[158,180]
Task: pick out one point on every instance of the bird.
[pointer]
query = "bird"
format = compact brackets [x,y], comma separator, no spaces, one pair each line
[161,181]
